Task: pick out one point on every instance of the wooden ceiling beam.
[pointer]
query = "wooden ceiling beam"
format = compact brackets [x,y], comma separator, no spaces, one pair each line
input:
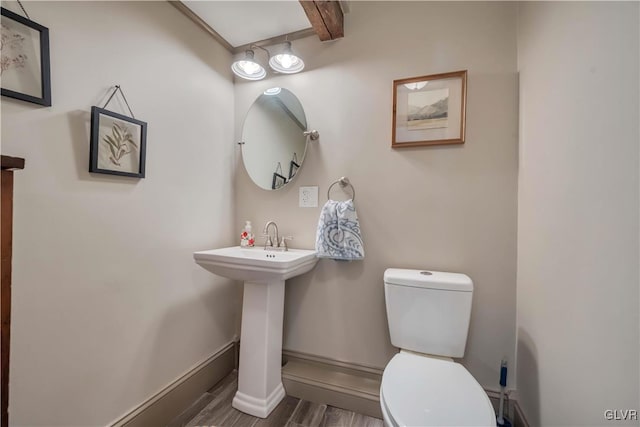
[325,17]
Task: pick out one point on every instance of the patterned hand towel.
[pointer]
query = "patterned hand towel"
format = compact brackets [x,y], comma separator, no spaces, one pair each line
[338,235]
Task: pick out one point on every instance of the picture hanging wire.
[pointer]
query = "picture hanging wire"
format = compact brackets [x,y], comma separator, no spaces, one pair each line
[23,10]
[116,89]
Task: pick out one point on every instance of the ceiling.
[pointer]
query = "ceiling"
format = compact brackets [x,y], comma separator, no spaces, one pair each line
[244,22]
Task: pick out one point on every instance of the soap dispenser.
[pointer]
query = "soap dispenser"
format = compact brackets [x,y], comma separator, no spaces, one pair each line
[246,237]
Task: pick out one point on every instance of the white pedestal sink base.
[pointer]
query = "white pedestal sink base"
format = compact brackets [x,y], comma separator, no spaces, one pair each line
[260,372]
[263,272]
[260,408]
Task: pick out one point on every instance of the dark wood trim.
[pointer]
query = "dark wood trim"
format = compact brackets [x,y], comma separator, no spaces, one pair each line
[6,180]
[5,290]
[6,244]
[201,23]
[12,162]
[325,17]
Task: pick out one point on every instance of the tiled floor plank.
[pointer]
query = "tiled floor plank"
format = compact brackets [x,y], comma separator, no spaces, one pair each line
[219,407]
[336,417]
[360,420]
[192,411]
[220,412]
[239,419]
[280,414]
[307,414]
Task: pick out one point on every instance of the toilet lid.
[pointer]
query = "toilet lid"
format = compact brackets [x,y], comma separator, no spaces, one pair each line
[424,391]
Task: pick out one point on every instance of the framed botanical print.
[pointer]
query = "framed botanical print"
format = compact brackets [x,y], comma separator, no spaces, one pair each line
[118,144]
[24,72]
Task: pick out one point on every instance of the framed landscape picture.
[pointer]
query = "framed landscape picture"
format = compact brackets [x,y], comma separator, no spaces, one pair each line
[25,72]
[429,110]
[118,144]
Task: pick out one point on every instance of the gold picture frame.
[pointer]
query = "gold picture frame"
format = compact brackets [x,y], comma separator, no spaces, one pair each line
[429,110]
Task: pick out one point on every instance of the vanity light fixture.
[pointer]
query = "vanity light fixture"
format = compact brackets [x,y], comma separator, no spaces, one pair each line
[285,62]
[248,68]
[415,86]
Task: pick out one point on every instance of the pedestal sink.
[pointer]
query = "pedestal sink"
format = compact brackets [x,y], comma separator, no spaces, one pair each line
[263,272]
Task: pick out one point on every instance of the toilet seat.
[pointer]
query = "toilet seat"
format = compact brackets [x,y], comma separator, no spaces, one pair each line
[418,390]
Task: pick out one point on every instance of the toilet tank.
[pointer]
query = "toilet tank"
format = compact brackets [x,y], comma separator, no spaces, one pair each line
[428,311]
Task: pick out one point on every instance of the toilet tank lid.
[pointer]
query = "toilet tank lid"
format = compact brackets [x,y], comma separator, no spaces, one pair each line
[428,279]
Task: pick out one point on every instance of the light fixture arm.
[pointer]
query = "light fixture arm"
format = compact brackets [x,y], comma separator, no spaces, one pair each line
[255,46]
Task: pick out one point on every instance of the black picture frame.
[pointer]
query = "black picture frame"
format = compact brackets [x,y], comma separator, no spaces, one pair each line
[111,145]
[278,181]
[45,70]
[293,169]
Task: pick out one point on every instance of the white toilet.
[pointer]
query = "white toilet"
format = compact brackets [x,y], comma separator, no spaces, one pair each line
[428,314]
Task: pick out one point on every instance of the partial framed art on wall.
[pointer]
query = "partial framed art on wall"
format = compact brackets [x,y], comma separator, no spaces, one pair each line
[293,167]
[429,110]
[25,70]
[279,180]
[118,144]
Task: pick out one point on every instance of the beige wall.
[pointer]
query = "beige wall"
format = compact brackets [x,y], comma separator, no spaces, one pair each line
[125,317]
[578,211]
[108,305]
[442,208]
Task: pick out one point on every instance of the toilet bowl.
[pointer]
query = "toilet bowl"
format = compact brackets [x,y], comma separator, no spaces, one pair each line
[428,314]
[419,390]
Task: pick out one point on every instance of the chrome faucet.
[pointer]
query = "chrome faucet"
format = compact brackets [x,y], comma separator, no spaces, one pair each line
[269,241]
[274,245]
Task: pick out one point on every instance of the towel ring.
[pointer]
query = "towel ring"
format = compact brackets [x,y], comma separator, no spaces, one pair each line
[343,181]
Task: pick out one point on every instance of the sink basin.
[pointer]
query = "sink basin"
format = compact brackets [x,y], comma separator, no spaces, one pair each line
[264,272]
[256,264]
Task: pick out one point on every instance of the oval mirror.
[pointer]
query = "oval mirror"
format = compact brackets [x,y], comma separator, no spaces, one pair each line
[273,138]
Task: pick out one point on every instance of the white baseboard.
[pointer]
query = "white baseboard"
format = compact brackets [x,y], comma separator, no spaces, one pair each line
[178,395]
